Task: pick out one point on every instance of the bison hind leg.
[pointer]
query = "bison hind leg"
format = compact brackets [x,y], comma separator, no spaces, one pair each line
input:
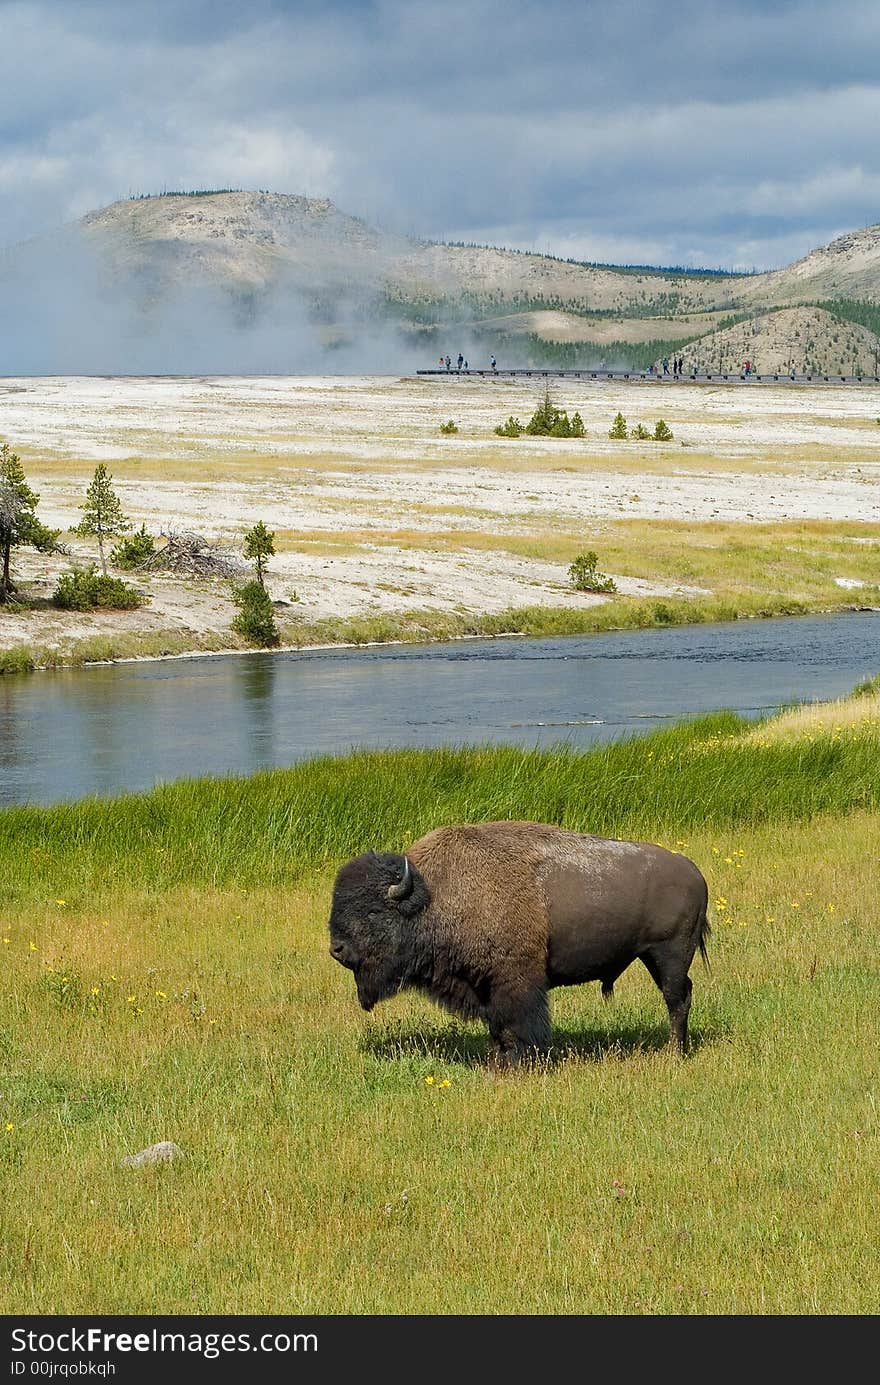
[669,971]
[607,991]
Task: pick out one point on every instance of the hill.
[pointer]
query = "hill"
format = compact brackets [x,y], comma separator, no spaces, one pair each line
[809,341]
[190,267]
[849,267]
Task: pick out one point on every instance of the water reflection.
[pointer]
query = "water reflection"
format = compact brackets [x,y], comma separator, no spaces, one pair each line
[255,677]
[69,733]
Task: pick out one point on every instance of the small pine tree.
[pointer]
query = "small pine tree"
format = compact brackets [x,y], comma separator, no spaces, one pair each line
[511,429]
[255,620]
[640,431]
[577,426]
[545,417]
[562,427]
[449,427]
[102,512]
[618,427]
[662,431]
[134,549]
[18,521]
[259,544]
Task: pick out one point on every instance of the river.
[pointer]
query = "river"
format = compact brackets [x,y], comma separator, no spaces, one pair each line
[112,728]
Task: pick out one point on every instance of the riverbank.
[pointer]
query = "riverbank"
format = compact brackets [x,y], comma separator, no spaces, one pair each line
[768,571]
[387,530]
[419,628]
[167,977]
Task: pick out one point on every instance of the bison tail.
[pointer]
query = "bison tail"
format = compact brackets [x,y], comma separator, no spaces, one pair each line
[703,937]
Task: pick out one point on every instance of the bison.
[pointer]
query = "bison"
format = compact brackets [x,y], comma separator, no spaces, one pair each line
[487,918]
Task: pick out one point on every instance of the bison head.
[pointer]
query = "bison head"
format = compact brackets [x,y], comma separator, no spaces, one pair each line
[373,928]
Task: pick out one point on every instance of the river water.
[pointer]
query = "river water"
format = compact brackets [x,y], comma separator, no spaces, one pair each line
[108,729]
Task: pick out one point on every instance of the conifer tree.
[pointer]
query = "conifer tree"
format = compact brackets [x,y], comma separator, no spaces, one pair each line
[18,521]
[259,544]
[102,513]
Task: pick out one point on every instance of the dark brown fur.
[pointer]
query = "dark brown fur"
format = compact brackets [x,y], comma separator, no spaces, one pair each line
[496,914]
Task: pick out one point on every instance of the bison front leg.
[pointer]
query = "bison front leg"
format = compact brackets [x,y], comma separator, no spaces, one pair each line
[519,1022]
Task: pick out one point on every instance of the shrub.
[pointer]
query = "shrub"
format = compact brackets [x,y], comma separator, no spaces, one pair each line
[450,426]
[640,431]
[511,429]
[134,549]
[84,589]
[662,431]
[618,427]
[585,577]
[255,621]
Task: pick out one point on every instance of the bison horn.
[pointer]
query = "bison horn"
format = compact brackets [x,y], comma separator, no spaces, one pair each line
[406,885]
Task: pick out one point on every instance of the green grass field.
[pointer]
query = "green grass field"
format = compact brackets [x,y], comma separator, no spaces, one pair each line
[166,976]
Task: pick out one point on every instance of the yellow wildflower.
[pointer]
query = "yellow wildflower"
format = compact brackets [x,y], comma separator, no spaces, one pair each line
[96,990]
[429,1081]
[61,903]
[446,1082]
[160,995]
[9,1126]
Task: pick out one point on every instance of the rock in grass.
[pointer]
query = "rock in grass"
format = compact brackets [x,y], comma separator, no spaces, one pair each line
[162,1153]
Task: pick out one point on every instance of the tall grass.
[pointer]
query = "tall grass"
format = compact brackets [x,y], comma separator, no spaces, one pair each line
[283,824]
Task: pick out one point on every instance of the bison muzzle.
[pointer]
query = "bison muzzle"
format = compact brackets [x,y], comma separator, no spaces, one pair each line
[486,919]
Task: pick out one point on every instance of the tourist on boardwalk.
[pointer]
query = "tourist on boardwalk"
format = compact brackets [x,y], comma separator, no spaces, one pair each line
[665,365]
[448,362]
[460,360]
[492,362]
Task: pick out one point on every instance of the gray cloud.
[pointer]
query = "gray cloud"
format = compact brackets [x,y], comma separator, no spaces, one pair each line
[732,133]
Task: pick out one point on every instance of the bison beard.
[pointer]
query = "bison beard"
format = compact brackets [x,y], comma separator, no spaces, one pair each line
[487,918]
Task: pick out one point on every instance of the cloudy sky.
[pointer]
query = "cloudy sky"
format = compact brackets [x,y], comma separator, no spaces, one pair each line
[737,134]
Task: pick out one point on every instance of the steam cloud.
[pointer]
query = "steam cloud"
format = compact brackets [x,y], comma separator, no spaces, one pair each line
[64,314]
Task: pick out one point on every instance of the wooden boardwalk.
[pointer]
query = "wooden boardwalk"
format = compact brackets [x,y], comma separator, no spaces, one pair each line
[643,376]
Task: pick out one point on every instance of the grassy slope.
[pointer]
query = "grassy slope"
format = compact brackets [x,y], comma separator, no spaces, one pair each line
[167,977]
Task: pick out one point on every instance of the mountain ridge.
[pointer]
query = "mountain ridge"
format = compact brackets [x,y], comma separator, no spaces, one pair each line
[261,252]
